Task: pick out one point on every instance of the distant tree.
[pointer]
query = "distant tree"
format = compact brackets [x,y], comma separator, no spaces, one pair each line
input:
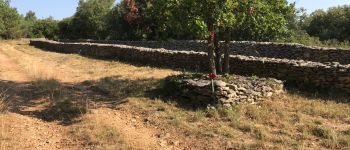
[130,20]
[28,24]
[65,29]
[10,21]
[47,28]
[30,16]
[123,22]
[331,24]
[90,19]
[269,21]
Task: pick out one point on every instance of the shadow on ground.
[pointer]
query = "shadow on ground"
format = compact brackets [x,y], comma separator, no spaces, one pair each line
[51,100]
[314,92]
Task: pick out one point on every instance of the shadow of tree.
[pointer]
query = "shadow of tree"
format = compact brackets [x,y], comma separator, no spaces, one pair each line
[315,92]
[51,100]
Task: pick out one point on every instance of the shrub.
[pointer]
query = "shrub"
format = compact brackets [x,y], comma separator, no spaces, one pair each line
[323,132]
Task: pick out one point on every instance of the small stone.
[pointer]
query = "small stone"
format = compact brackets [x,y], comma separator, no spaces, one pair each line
[269,94]
[250,100]
[267,89]
[256,93]
[231,92]
[227,105]
[242,89]
[226,100]
[243,97]
[232,95]
[221,93]
[233,86]
[225,88]
[210,107]
[167,135]
[162,143]
[220,83]
[175,143]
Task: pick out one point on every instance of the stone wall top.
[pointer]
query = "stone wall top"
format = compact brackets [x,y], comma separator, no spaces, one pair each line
[247,48]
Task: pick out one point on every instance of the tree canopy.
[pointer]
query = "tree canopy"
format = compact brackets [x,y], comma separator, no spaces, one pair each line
[331,24]
[89,22]
[10,21]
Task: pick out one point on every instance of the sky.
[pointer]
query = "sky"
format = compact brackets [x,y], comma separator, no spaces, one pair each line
[60,9]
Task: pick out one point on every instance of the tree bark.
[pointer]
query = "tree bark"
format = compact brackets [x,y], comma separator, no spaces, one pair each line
[226,52]
[218,54]
[211,48]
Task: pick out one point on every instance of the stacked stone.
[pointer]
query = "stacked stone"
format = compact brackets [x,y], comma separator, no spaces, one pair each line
[242,90]
[237,91]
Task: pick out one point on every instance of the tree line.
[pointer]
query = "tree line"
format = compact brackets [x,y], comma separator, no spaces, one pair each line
[211,20]
[258,20]
[13,25]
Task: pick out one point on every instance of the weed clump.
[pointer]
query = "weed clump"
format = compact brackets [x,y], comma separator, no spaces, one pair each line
[60,106]
[64,110]
[322,132]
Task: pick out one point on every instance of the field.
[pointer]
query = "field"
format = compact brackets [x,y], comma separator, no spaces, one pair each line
[58,101]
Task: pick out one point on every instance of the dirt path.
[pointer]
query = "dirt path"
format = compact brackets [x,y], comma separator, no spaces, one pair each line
[9,70]
[23,130]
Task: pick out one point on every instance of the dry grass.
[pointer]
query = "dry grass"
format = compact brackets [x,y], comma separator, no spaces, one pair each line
[287,121]
[100,135]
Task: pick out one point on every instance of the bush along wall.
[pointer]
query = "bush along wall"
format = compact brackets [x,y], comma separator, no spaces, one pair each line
[321,74]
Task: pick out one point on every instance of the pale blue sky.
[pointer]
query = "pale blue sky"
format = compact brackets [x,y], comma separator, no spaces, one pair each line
[64,8]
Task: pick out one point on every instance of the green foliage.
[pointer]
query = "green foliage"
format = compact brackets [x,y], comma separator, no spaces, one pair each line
[331,24]
[255,20]
[177,19]
[13,25]
[47,28]
[29,21]
[10,21]
[268,22]
[65,29]
[89,22]
[137,20]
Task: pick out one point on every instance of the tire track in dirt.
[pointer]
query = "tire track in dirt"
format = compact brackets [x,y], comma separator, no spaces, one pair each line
[23,131]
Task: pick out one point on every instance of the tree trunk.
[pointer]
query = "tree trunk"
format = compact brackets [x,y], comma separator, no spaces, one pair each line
[211,48]
[226,52]
[218,54]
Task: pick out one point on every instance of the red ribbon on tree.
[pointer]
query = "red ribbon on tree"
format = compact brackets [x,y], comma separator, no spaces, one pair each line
[212,75]
[213,35]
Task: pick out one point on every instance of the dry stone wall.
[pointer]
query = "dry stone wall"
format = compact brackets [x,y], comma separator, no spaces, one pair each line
[328,75]
[247,48]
